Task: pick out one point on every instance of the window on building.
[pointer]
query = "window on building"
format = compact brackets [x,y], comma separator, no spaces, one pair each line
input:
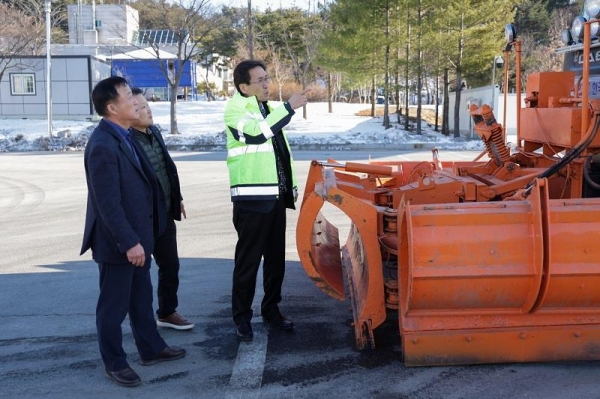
[22,84]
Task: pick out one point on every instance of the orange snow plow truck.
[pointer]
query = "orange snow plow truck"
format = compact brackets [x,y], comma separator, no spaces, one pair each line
[485,261]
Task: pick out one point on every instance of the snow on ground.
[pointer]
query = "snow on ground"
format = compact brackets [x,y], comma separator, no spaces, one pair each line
[201,123]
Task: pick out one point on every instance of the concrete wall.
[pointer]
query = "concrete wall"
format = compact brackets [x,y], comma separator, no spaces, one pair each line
[73,78]
[483,95]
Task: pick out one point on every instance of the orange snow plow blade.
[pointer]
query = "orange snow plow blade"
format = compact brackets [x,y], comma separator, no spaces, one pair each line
[500,282]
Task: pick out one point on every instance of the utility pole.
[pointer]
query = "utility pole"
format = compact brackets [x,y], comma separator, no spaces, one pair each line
[48,70]
[406,89]
[250,38]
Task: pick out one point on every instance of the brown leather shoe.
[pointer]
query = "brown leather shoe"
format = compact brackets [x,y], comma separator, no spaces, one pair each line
[167,354]
[176,321]
[125,378]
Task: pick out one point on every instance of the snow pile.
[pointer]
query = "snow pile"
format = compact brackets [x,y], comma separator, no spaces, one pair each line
[200,124]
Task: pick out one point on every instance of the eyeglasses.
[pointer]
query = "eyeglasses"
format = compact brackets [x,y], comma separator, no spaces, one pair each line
[261,81]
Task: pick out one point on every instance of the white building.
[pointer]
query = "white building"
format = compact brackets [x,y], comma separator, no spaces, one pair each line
[23,88]
[216,71]
[106,24]
[98,36]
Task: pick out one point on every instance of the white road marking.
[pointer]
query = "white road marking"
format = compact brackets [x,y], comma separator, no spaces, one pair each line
[246,378]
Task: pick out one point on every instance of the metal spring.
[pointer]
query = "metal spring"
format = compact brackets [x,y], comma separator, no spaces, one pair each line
[495,146]
[390,221]
[391,293]
[384,198]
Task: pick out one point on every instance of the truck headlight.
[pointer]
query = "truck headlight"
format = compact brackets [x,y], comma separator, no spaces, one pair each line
[510,33]
[577,27]
[594,28]
[565,37]
[592,8]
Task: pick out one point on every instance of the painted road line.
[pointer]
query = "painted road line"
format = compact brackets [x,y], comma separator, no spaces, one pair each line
[246,378]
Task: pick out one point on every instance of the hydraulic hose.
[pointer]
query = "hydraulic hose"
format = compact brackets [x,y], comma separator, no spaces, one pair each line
[586,174]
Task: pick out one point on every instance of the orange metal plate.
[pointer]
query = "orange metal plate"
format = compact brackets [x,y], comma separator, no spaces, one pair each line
[552,126]
[431,348]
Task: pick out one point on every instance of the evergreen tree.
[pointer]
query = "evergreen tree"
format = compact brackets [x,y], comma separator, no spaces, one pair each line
[532,18]
[475,31]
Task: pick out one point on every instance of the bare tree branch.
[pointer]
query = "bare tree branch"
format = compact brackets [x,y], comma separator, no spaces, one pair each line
[20,34]
[191,21]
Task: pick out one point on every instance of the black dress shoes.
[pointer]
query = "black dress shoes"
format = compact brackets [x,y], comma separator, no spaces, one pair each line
[244,331]
[169,353]
[125,378]
[279,322]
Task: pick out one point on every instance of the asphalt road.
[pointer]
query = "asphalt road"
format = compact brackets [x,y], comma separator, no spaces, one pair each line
[48,346]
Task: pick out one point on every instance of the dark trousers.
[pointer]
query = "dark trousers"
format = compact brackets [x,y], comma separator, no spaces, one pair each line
[259,235]
[125,289]
[167,260]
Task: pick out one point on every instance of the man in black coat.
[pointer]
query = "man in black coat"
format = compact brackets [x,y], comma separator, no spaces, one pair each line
[154,150]
[120,226]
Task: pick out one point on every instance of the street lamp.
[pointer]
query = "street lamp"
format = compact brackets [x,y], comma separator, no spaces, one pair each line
[498,63]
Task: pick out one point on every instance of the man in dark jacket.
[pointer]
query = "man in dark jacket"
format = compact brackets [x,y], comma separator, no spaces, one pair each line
[165,245]
[120,227]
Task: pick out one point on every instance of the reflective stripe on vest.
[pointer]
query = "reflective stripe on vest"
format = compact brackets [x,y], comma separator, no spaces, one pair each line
[254,190]
[250,149]
[240,129]
[263,125]
[265,129]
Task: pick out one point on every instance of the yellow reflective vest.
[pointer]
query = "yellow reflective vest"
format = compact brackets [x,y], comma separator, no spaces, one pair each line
[250,153]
